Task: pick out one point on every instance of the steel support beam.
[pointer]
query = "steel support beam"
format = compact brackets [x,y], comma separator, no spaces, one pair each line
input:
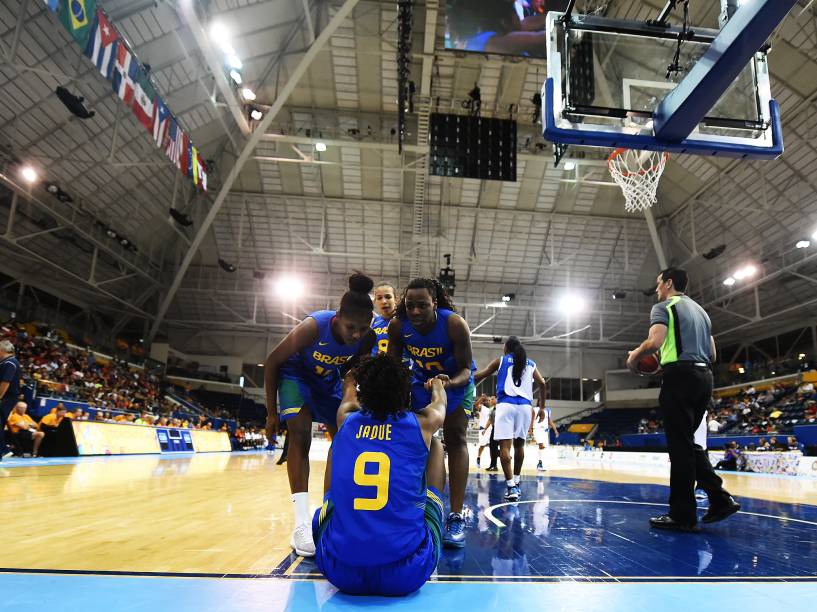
[188,11]
[246,153]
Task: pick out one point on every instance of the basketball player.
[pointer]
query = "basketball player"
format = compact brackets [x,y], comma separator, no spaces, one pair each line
[439,342]
[304,369]
[485,424]
[541,435]
[379,529]
[514,399]
[385,302]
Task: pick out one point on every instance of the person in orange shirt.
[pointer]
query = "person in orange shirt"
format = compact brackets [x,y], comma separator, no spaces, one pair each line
[24,429]
[54,418]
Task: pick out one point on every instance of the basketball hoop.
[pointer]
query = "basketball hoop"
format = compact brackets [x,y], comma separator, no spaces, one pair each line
[637,173]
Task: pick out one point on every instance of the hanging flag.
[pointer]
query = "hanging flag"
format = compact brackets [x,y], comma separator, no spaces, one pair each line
[144,95]
[102,45]
[77,16]
[174,142]
[125,73]
[161,122]
[185,164]
[201,172]
[53,5]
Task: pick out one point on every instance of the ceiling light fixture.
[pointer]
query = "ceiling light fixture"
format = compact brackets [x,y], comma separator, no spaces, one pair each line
[729,281]
[570,165]
[803,244]
[571,304]
[248,94]
[320,147]
[235,75]
[28,173]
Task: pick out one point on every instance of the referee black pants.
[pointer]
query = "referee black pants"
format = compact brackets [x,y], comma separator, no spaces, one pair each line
[685,395]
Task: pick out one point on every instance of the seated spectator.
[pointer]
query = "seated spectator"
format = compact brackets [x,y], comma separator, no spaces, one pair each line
[53,419]
[793,445]
[714,425]
[763,445]
[23,429]
[730,458]
[59,435]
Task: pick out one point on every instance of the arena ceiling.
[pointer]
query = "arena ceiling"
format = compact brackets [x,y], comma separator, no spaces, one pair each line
[325,71]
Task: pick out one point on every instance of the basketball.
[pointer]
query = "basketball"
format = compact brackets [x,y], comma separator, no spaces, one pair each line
[648,365]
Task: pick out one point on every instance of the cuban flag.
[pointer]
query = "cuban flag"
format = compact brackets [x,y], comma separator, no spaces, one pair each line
[175,136]
[161,122]
[125,73]
[102,45]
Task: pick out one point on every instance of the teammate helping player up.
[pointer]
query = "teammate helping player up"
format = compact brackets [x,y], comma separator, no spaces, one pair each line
[302,384]
[439,342]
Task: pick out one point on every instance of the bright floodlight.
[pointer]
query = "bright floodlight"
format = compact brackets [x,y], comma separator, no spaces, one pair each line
[814,235]
[289,287]
[571,304]
[569,165]
[256,114]
[320,147]
[234,62]
[803,244]
[729,282]
[235,75]
[28,173]
[220,34]
[745,272]
[248,94]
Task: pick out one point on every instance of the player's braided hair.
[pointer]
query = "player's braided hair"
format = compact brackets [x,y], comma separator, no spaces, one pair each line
[384,386]
[434,288]
[520,358]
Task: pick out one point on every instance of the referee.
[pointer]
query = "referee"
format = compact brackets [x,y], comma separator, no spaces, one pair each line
[682,332]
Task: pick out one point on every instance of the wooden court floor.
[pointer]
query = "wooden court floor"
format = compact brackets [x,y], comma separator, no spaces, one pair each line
[221,513]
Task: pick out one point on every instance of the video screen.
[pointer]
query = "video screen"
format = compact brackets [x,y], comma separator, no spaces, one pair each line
[505,27]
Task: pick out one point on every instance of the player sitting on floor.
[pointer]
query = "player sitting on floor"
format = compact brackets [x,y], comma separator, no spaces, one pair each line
[379,529]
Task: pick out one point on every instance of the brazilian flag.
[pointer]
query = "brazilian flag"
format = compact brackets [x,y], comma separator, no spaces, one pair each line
[78,16]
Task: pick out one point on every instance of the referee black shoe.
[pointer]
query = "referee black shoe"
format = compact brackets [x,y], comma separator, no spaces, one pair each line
[665,521]
[721,511]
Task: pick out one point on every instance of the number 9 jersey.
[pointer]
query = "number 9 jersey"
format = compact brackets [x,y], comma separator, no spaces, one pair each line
[374,511]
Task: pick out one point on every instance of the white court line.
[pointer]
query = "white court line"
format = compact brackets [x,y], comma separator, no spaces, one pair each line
[489,511]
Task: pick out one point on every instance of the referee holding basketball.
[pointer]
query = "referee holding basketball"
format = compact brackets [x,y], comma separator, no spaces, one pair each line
[680,330]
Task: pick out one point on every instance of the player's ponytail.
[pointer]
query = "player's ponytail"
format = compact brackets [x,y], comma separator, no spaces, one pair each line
[356,302]
[520,358]
[434,288]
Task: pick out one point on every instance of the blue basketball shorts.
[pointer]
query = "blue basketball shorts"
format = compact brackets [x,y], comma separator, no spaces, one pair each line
[457,396]
[393,579]
[295,393]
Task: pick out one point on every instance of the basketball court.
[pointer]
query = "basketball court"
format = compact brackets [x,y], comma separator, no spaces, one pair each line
[115,533]
[190,180]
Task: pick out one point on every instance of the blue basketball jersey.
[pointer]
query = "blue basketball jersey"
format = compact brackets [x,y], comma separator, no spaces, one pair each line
[380,326]
[507,392]
[432,353]
[378,490]
[322,360]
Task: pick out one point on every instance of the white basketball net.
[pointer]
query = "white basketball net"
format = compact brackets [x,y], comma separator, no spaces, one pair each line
[637,173]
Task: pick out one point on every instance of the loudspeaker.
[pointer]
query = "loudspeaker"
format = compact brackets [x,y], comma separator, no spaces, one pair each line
[466,146]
